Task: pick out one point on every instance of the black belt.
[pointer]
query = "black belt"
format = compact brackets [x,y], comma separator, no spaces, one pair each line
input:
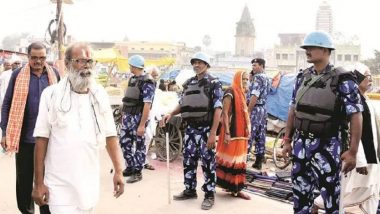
[133,110]
[311,135]
[312,129]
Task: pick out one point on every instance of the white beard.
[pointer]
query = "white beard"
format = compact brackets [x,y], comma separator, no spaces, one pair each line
[80,80]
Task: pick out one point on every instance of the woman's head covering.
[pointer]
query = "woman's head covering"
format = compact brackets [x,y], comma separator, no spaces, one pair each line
[238,80]
[242,121]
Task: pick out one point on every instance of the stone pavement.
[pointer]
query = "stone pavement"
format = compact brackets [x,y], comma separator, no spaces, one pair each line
[148,196]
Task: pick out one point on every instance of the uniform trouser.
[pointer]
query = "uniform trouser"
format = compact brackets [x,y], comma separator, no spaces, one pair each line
[366,198]
[258,130]
[316,164]
[24,179]
[128,135]
[195,148]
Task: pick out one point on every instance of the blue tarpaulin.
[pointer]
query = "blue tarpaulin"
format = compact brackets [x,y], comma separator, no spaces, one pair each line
[279,98]
[225,77]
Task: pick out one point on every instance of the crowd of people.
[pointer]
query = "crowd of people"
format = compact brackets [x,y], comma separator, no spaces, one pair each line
[331,132]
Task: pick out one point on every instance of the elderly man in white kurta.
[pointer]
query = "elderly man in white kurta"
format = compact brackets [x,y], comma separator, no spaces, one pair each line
[74,120]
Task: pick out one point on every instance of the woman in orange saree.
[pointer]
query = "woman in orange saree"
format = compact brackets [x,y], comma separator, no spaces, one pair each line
[231,150]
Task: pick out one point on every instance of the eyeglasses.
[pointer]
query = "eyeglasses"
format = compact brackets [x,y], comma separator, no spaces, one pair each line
[16,63]
[368,76]
[35,58]
[83,61]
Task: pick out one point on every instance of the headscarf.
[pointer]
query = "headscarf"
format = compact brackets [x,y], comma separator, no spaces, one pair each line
[242,121]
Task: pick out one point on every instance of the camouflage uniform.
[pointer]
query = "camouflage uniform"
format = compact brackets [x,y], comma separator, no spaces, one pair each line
[316,161]
[259,88]
[128,134]
[195,147]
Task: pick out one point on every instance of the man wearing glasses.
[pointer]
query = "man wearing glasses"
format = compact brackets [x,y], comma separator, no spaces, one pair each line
[74,121]
[19,113]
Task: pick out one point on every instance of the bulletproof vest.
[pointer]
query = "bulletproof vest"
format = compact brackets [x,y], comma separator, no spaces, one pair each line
[196,103]
[133,99]
[317,107]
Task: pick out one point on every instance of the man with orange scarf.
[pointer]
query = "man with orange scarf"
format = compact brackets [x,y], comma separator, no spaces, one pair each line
[19,113]
[231,151]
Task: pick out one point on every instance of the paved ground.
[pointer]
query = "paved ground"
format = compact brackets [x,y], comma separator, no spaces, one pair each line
[148,196]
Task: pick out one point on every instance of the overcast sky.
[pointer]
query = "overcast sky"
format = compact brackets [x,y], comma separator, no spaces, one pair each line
[189,20]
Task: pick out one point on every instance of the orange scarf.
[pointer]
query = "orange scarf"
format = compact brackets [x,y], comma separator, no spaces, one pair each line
[242,121]
[16,113]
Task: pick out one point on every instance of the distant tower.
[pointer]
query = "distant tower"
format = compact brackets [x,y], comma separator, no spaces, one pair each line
[324,20]
[206,40]
[245,35]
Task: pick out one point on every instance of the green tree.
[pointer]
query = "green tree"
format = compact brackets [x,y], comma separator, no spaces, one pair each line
[374,63]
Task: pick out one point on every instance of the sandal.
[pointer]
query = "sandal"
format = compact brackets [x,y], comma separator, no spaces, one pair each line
[148,166]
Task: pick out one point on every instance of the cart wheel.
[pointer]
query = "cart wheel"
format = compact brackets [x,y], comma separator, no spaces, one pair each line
[175,142]
[279,160]
[117,119]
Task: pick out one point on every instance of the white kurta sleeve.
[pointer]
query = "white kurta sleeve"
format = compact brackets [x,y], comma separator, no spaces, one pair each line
[109,126]
[361,161]
[43,127]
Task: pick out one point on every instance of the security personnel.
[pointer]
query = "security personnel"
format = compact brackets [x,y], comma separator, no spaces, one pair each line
[324,100]
[136,107]
[259,89]
[200,107]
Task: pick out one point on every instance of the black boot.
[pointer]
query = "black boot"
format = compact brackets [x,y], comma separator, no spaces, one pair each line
[135,177]
[186,194]
[258,162]
[127,172]
[208,201]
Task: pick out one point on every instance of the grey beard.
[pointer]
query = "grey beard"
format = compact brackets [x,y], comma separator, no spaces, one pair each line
[80,80]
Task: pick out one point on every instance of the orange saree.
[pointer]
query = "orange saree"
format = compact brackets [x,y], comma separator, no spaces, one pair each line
[231,156]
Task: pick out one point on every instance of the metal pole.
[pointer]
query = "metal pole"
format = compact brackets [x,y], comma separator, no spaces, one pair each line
[343,183]
[60,29]
[167,164]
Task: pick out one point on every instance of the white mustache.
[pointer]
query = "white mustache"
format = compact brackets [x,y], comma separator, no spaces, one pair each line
[86,73]
[80,79]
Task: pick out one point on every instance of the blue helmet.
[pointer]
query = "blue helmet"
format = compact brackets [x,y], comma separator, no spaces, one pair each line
[318,39]
[201,56]
[136,61]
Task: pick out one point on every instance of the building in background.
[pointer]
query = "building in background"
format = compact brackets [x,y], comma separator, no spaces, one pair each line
[245,35]
[158,50]
[288,56]
[324,19]
[347,50]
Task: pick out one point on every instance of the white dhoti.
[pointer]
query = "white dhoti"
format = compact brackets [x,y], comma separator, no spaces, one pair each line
[365,199]
[69,209]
